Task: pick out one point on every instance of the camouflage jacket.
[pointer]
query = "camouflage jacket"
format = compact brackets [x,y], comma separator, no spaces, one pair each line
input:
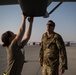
[53,51]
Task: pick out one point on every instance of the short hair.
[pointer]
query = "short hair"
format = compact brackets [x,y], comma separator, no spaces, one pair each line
[53,23]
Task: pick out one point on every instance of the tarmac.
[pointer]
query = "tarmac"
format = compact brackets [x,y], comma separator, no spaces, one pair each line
[32,66]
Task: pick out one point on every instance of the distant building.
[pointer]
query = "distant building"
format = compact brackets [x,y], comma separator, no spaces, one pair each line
[70,43]
[67,43]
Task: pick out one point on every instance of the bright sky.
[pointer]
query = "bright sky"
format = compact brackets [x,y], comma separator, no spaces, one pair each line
[64,17]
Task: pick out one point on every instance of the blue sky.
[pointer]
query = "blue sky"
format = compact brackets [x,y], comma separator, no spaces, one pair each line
[64,17]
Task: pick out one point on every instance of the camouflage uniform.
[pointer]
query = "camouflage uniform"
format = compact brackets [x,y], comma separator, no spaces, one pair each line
[52,53]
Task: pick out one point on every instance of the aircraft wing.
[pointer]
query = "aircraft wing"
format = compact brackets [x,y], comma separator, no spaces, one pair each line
[9,2]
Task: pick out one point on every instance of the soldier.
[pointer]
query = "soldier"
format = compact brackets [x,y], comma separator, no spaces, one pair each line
[13,44]
[53,57]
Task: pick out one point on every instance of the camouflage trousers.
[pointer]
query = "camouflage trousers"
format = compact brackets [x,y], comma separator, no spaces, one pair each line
[49,70]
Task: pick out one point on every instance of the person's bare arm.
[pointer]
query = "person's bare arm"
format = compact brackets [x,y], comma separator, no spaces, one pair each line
[21,30]
[29,30]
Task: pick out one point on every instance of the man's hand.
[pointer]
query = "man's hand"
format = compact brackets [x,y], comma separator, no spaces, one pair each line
[61,70]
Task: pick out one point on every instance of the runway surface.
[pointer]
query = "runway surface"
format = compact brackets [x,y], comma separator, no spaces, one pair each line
[32,66]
